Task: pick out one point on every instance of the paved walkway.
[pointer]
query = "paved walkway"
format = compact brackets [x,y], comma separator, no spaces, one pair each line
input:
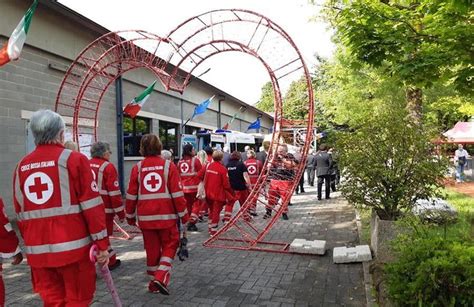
[217,277]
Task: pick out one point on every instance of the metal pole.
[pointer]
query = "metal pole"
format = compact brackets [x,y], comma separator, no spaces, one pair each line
[119,113]
[182,129]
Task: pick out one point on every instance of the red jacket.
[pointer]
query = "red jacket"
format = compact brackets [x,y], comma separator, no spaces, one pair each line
[8,240]
[188,168]
[254,167]
[216,182]
[105,175]
[155,196]
[58,206]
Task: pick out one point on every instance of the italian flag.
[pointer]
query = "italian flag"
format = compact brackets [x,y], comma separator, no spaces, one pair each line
[12,50]
[136,104]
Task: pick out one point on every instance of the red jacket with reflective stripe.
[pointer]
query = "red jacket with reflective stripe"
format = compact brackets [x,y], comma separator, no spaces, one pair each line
[155,196]
[254,167]
[106,177]
[216,182]
[188,168]
[8,240]
[58,206]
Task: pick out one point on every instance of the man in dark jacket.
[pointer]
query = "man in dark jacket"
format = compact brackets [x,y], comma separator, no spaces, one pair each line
[262,155]
[323,170]
[310,164]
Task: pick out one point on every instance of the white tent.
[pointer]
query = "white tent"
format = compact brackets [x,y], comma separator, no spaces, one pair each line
[462,132]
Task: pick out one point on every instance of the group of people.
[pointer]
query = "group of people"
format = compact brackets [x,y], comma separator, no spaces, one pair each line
[65,203]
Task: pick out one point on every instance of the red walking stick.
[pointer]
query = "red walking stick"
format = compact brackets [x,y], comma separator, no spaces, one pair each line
[104,271]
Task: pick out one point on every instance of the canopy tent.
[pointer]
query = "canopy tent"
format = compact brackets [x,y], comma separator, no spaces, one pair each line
[462,132]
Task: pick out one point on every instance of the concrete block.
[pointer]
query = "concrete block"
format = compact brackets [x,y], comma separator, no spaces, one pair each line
[360,253]
[317,247]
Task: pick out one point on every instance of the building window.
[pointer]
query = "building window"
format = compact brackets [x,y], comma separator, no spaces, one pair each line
[133,130]
[190,130]
[169,136]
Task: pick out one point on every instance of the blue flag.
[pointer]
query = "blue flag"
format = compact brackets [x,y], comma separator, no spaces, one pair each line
[202,107]
[254,125]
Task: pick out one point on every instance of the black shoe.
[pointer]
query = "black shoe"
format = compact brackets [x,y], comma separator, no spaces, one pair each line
[192,227]
[115,265]
[253,214]
[268,214]
[285,216]
[302,191]
[319,198]
[290,204]
[161,287]
[200,219]
[328,197]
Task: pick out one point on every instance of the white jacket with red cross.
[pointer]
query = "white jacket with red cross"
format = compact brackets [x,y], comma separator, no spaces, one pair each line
[254,167]
[106,177]
[155,197]
[188,168]
[8,240]
[59,209]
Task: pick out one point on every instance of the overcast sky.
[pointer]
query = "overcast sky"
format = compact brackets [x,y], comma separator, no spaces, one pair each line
[236,74]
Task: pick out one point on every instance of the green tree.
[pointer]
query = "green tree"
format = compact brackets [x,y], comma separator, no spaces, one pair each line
[419,42]
[266,102]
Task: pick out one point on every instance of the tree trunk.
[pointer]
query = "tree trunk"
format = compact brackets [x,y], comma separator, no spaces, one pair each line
[414,103]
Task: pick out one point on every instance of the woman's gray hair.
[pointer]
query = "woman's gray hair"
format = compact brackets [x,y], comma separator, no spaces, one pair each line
[99,149]
[166,154]
[46,127]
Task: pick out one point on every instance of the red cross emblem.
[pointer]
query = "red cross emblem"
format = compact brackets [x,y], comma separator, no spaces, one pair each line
[184,168]
[38,188]
[252,169]
[152,182]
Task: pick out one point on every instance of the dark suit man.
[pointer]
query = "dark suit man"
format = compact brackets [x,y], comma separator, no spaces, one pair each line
[310,165]
[323,170]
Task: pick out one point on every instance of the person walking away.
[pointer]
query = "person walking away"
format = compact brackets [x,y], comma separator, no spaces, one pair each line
[218,189]
[282,174]
[239,181]
[60,214]
[310,163]
[226,158]
[156,201]
[323,171]
[254,168]
[106,176]
[9,247]
[262,155]
[188,168]
[204,210]
[460,160]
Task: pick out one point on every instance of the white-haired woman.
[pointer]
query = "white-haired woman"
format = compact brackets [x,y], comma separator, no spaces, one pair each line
[59,214]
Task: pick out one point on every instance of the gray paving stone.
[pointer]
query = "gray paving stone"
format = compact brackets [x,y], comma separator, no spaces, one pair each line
[218,277]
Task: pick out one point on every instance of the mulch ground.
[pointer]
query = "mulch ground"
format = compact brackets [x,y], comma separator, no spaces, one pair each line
[464,188]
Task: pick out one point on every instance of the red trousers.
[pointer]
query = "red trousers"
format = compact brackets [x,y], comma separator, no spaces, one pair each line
[2,288]
[160,246]
[279,189]
[109,221]
[241,196]
[203,208]
[253,205]
[193,205]
[215,208]
[70,285]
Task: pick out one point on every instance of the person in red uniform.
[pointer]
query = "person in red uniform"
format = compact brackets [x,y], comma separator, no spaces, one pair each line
[282,174]
[254,168]
[239,181]
[9,247]
[106,177]
[156,200]
[218,189]
[204,211]
[188,168]
[60,214]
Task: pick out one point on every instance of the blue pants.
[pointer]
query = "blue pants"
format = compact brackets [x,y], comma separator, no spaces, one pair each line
[459,171]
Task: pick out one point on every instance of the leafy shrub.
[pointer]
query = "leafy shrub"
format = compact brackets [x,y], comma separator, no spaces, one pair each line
[431,272]
[388,164]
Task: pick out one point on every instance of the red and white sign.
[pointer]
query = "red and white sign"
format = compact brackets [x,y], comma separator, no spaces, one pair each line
[152,182]
[184,168]
[38,188]
[252,169]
